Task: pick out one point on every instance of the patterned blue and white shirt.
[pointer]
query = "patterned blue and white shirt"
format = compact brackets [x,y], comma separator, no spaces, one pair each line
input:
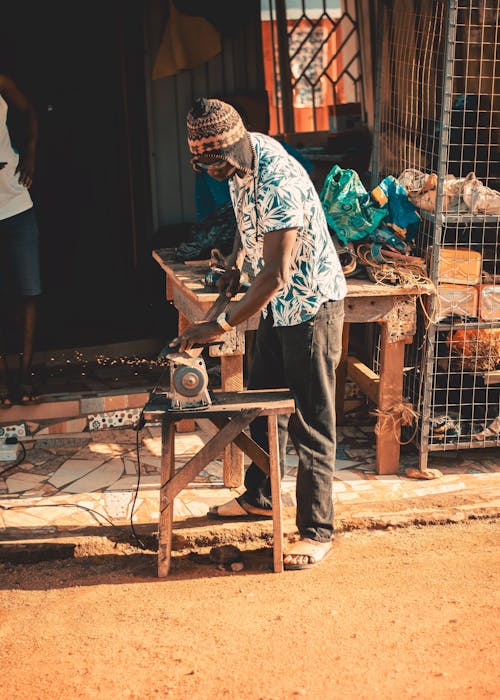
[280,195]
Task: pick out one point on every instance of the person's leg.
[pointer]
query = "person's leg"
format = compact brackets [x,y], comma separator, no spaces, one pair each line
[311,354]
[5,265]
[5,397]
[26,323]
[266,373]
[23,233]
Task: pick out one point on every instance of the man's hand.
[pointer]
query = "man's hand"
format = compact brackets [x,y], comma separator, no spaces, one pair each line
[197,334]
[229,282]
[26,170]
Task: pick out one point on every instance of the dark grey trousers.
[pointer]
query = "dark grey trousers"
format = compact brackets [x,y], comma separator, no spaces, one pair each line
[302,358]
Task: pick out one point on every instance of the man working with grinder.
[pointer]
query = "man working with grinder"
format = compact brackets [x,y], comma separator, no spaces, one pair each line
[299,287]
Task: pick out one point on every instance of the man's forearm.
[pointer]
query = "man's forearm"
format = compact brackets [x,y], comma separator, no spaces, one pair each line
[237,255]
[264,287]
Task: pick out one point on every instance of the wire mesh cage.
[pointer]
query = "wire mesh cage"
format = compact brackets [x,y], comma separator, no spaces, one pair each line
[438,129]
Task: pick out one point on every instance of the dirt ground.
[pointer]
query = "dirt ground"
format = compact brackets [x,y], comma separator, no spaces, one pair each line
[408,613]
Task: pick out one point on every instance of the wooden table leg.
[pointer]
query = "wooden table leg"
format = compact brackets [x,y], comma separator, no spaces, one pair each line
[232,380]
[184,426]
[341,376]
[390,395]
[274,467]
[166,511]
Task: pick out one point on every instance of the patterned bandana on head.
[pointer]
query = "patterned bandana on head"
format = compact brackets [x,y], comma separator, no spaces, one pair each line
[215,129]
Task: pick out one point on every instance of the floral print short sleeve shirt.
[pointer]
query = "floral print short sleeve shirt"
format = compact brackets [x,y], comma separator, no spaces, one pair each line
[280,195]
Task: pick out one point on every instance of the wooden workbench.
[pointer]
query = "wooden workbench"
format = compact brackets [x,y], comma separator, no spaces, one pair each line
[394,308]
[231,413]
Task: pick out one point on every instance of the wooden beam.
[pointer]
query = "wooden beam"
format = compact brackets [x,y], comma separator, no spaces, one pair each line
[232,380]
[275,474]
[245,443]
[367,380]
[165,524]
[390,398]
[211,450]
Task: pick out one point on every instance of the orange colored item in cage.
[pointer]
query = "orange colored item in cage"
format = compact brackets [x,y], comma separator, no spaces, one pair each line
[459,266]
[489,302]
[475,349]
[457,299]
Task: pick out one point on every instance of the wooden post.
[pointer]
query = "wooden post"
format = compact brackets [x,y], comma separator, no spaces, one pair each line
[232,380]
[341,376]
[166,511]
[390,395]
[275,474]
[184,426]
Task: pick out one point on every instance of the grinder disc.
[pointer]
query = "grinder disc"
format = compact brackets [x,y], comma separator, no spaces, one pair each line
[189,381]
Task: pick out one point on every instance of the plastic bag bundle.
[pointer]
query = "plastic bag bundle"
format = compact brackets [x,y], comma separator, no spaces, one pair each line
[349,209]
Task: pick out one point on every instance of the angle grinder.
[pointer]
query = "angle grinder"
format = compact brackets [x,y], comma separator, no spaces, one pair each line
[188,372]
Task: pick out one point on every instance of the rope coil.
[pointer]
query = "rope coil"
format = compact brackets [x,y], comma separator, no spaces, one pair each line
[401,414]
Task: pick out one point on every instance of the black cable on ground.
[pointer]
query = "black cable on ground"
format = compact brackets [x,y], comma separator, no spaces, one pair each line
[139,427]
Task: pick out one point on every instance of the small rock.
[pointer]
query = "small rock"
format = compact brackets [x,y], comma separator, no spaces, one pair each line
[226,554]
[237,566]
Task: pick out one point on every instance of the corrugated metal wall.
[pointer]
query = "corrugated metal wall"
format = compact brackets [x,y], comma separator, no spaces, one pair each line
[238,69]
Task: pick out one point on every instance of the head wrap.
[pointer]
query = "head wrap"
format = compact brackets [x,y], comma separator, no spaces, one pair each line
[215,129]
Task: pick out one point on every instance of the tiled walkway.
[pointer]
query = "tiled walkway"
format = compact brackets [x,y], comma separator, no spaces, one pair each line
[63,478]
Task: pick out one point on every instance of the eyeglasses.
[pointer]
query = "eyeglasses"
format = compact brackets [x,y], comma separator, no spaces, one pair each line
[198,165]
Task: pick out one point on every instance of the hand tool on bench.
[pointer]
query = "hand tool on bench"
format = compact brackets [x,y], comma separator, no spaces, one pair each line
[188,373]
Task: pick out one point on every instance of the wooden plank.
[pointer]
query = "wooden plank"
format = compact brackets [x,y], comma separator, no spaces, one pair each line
[390,397]
[232,380]
[211,450]
[368,310]
[274,467]
[191,275]
[269,401]
[245,443]
[340,377]
[368,290]
[367,380]
[166,514]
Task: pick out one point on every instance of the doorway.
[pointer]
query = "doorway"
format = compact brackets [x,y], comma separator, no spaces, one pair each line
[81,65]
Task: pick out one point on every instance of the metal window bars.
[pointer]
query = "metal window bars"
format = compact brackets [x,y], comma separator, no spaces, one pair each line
[316,60]
[438,125]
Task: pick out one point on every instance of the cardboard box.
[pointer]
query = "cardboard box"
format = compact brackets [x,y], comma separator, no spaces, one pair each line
[458,300]
[489,302]
[459,266]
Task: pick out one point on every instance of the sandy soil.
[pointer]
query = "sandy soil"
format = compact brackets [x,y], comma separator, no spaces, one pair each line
[400,614]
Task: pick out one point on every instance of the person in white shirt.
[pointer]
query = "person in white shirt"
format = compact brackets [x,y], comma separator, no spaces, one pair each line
[19,253]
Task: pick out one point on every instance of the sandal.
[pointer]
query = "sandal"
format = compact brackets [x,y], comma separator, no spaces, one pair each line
[306,549]
[28,395]
[237,509]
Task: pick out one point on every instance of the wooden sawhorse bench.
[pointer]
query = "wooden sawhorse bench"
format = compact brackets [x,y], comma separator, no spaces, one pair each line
[231,413]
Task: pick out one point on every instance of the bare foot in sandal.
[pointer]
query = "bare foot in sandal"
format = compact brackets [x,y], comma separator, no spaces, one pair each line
[238,508]
[28,394]
[306,553]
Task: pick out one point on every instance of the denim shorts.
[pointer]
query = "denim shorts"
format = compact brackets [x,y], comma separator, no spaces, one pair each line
[19,255]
